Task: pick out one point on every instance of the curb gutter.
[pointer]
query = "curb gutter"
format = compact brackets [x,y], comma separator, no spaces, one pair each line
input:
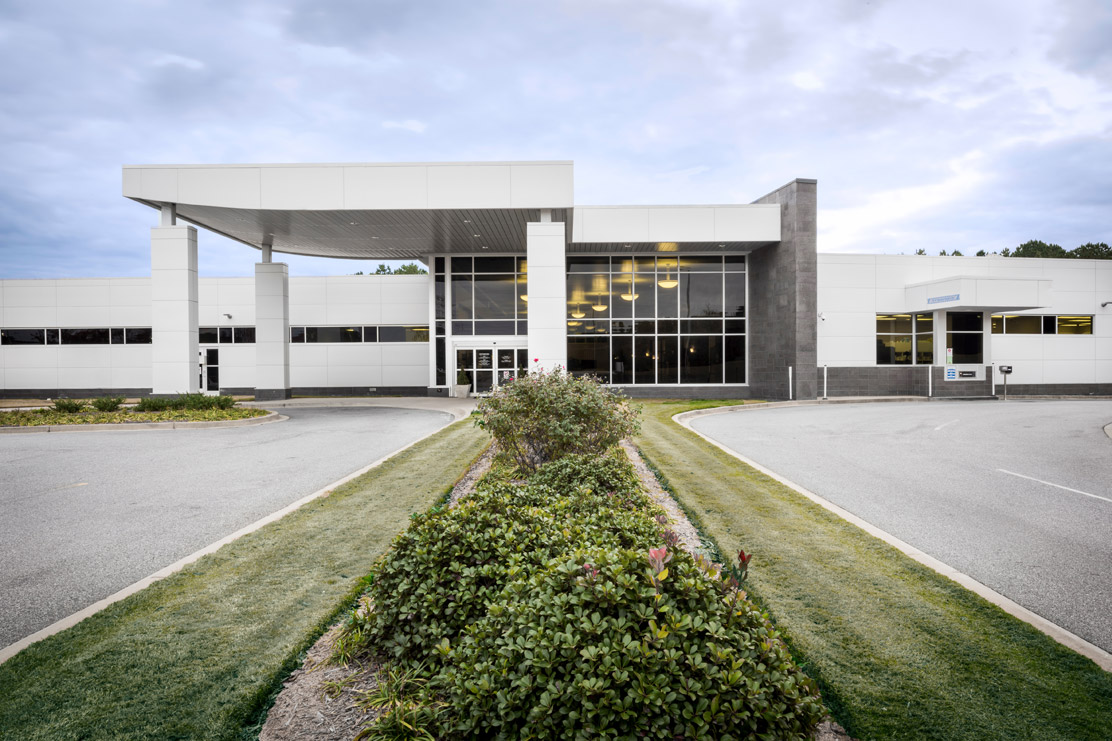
[170,425]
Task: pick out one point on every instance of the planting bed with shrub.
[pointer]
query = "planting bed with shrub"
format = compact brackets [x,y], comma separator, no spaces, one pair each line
[549,605]
[107,410]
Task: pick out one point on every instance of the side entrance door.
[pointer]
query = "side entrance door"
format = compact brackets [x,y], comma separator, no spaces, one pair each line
[490,367]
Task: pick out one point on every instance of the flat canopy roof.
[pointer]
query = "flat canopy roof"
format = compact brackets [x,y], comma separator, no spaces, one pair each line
[411,210]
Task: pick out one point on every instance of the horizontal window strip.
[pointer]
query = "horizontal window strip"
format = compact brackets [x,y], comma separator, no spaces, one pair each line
[75,336]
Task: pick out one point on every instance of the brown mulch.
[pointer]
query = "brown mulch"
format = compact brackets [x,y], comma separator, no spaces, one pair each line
[318,701]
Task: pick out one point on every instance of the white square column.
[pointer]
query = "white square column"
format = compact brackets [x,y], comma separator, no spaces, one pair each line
[548,289]
[272,331]
[174,360]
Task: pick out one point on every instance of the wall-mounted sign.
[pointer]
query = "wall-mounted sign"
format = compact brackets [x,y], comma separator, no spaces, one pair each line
[944,299]
[949,356]
[967,374]
[951,374]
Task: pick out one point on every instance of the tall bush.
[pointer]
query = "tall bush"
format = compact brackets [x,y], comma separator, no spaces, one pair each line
[546,416]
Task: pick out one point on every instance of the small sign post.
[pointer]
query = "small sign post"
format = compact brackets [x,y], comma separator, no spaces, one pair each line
[1005,370]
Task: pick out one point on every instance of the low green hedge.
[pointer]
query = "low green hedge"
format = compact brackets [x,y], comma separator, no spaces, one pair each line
[550,609]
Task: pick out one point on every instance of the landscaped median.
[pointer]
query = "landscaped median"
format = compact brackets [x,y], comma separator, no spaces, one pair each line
[899,651]
[197,654]
[111,411]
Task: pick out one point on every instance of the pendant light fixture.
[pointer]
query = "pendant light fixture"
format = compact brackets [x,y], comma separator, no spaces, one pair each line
[578,313]
[599,306]
[631,295]
[668,282]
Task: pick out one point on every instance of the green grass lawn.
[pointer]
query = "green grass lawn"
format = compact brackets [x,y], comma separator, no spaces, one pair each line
[900,651]
[197,655]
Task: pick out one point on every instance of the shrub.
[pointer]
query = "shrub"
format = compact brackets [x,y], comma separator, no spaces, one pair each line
[70,406]
[610,472]
[439,575]
[185,401]
[108,403]
[154,404]
[546,416]
[611,644]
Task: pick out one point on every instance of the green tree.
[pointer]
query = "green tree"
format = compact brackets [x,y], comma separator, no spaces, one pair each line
[383,269]
[1092,251]
[981,253]
[920,251]
[956,253]
[411,268]
[1036,248]
[942,253]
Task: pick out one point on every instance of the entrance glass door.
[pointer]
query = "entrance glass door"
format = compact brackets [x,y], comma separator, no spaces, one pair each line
[210,371]
[488,368]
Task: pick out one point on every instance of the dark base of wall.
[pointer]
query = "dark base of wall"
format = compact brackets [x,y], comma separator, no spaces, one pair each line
[687,392]
[70,393]
[360,391]
[441,392]
[908,380]
[272,394]
[1056,389]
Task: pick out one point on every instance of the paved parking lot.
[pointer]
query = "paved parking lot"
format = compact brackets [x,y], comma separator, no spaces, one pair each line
[85,514]
[1016,494]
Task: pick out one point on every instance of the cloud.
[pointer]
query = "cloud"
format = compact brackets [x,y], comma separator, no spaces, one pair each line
[923,123]
[417,127]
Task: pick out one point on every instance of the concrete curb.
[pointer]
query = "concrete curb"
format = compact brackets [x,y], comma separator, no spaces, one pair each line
[1102,658]
[171,425]
[68,622]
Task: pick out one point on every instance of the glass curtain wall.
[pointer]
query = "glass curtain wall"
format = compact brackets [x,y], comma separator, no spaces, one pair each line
[657,319]
[489,296]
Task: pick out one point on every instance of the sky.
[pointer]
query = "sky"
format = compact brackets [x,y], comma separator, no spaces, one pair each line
[929,125]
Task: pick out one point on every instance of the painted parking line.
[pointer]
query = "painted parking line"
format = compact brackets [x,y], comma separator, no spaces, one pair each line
[1056,486]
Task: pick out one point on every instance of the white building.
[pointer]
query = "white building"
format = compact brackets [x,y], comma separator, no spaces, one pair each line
[717,300]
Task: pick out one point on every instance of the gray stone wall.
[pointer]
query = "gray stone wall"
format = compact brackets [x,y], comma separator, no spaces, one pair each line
[783,303]
[1054,389]
[900,380]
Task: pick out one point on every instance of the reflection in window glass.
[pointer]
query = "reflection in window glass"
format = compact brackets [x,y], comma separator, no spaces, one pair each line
[893,349]
[735,294]
[701,359]
[1050,325]
[893,323]
[997,324]
[207,336]
[622,360]
[22,336]
[1022,324]
[487,329]
[700,294]
[495,296]
[117,334]
[245,335]
[97,336]
[297,334]
[403,334]
[968,347]
[924,349]
[589,356]
[965,321]
[137,335]
[644,360]
[225,335]
[53,336]
[667,360]
[1075,325]
[735,359]
[462,304]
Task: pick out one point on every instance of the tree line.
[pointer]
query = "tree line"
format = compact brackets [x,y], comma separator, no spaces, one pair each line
[410,268]
[1037,248]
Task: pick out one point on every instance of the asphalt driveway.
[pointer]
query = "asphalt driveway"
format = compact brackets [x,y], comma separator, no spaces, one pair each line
[85,514]
[1016,494]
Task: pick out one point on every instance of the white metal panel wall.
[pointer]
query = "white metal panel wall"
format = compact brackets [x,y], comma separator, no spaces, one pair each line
[852,289]
[78,302]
